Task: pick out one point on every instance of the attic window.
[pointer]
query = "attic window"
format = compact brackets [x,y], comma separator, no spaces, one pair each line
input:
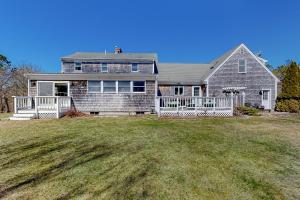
[242,66]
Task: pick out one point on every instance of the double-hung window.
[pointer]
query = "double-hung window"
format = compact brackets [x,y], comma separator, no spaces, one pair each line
[94,86]
[178,90]
[104,67]
[78,66]
[242,66]
[123,86]
[109,86]
[138,86]
[134,67]
[196,91]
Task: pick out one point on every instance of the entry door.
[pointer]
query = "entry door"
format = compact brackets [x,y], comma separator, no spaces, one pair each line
[266,99]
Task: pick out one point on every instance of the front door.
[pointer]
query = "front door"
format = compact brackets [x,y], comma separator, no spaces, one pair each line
[266,99]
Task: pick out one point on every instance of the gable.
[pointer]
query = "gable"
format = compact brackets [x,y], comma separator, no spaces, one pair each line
[241,52]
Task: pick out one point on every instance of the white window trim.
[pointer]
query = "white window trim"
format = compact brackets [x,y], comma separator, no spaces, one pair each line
[200,91]
[94,92]
[75,66]
[102,67]
[139,92]
[239,66]
[130,86]
[53,86]
[137,68]
[182,90]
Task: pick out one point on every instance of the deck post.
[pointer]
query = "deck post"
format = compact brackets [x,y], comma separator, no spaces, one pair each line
[177,105]
[36,104]
[15,104]
[231,102]
[57,108]
[196,102]
[214,104]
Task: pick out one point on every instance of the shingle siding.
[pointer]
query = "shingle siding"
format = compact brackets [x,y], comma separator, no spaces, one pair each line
[100,102]
[168,90]
[69,67]
[255,79]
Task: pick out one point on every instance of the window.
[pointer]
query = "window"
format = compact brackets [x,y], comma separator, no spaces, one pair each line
[178,90]
[138,86]
[134,67]
[94,86]
[109,86]
[265,95]
[196,91]
[124,86]
[242,66]
[104,67]
[78,66]
[45,88]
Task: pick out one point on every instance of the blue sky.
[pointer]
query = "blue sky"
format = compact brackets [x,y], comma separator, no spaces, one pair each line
[39,32]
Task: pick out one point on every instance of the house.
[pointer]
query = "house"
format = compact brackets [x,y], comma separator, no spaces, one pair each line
[136,83]
[238,71]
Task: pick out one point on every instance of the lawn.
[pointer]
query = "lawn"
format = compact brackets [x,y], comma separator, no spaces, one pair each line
[150,158]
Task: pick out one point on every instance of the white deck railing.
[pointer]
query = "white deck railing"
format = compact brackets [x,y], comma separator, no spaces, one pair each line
[43,104]
[188,106]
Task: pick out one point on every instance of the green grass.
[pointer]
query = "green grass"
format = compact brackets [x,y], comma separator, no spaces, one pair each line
[150,158]
[5,116]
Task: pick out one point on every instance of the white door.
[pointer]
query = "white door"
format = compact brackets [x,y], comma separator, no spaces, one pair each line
[266,99]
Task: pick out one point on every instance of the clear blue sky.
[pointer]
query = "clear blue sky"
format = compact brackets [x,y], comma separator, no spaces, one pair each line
[41,31]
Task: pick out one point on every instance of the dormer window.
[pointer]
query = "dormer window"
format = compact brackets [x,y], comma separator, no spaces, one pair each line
[78,66]
[134,67]
[242,66]
[104,67]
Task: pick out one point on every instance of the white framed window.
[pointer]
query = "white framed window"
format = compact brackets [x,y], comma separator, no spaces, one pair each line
[134,67]
[179,90]
[138,86]
[109,87]
[104,67]
[94,86]
[196,91]
[242,65]
[77,66]
[124,86]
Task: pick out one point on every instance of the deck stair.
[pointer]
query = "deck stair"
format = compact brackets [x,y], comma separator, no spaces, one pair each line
[23,116]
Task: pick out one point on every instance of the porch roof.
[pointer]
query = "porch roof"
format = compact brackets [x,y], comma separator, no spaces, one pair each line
[89,76]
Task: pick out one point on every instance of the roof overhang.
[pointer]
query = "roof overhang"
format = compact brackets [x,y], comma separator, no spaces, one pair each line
[88,76]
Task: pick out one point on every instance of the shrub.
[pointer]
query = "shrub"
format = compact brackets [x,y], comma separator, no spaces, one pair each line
[293,105]
[247,111]
[288,105]
[281,106]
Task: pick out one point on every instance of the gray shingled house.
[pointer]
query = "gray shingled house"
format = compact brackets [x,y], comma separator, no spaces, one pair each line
[135,83]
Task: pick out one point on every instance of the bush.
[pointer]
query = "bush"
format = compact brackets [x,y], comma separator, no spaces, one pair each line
[288,105]
[247,111]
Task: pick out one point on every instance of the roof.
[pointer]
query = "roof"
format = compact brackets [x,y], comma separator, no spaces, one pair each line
[150,57]
[89,76]
[180,73]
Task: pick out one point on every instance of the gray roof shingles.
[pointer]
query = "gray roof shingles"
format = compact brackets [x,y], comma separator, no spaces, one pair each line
[111,56]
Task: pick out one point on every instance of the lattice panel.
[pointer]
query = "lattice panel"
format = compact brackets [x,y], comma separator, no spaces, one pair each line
[195,114]
[47,115]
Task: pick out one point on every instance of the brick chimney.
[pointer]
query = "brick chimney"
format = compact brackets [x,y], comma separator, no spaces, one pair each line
[118,50]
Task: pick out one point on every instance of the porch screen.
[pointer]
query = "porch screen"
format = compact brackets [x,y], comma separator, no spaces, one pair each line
[45,89]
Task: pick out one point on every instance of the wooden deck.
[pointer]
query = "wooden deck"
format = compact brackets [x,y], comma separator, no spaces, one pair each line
[194,106]
[40,107]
